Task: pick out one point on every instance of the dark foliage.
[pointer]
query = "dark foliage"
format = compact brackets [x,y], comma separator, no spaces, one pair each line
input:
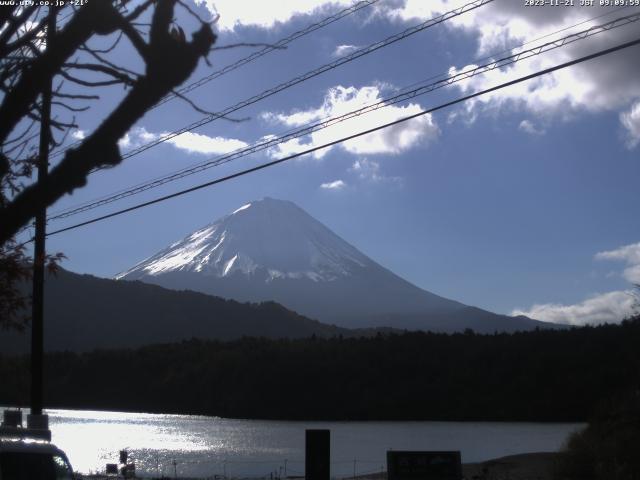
[608,448]
[533,376]
[14,271]
[40,60]
[84,313]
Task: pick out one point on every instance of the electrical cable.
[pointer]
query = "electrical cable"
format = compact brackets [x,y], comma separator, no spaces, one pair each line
[356,135]
[276,46]
[279,45]
[306,76]
[327,122]
[312,73]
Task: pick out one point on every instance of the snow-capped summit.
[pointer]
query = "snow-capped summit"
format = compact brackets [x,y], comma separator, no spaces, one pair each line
[273,250]
[269,237]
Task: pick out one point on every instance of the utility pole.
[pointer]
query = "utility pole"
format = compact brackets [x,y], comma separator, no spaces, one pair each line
[37,324]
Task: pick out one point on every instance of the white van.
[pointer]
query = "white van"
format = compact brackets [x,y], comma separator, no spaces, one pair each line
[24,455]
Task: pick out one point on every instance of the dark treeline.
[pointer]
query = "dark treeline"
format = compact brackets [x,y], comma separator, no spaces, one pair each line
[536,376]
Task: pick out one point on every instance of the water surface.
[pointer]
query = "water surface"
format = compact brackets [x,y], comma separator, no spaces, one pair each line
[208,446]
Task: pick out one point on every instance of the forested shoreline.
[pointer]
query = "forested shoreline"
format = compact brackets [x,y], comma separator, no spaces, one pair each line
[544,375]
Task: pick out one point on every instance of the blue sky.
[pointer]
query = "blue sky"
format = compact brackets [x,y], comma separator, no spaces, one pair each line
[524,201]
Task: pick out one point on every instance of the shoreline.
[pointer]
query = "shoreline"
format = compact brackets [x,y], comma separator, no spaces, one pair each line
[523,466]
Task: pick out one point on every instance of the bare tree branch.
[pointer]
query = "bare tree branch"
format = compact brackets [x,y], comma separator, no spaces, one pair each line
[94,67]
[26,40]
[76,96]
[207,112]
[89,83]
[14,25]
[109,49]
[169,62]
[139,10]
[69,107]
[94,17]
[112,65]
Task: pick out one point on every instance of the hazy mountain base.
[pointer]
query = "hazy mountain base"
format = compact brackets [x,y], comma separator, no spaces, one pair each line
[83,312]
[273,250]
[369,299]
[531,376]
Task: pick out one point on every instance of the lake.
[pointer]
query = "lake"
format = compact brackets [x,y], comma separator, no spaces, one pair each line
[207,446]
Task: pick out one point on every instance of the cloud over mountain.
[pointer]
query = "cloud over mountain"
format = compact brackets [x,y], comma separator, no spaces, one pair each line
[630,254]
[610,307]
[340,100]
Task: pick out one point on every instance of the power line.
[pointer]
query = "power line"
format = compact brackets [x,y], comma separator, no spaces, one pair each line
[311,74]
[522,45]
[301,78]
[327,122]
[356,135]
[254,56]
[276,46]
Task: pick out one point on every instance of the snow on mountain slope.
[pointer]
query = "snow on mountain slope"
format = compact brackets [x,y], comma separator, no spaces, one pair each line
[290,244]
[273,250]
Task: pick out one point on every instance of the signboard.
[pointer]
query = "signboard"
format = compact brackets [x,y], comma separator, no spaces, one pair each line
[424,465]
[317,455]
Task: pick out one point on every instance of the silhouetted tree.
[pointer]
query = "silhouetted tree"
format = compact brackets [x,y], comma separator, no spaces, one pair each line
[28,63]
[608,447]
[546,375]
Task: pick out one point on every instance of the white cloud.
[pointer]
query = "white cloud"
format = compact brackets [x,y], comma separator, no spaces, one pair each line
[125,141]
[197,143]
[344,50]
[79,134]
[629,254]
[340,100]
[144,136]
[631,122]
[234,13]
[606,83]
[603,84]
[335,185]
[611,307]
[137,136]
[369,170]
[188,141]
[530,128]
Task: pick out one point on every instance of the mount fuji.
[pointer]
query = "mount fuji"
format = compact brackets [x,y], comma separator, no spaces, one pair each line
[273,250]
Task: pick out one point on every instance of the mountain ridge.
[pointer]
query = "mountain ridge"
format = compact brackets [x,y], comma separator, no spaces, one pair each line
[84,312]
[273,250]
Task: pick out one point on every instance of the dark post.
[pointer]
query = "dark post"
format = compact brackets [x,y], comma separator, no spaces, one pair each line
[317,458]
[37,325]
